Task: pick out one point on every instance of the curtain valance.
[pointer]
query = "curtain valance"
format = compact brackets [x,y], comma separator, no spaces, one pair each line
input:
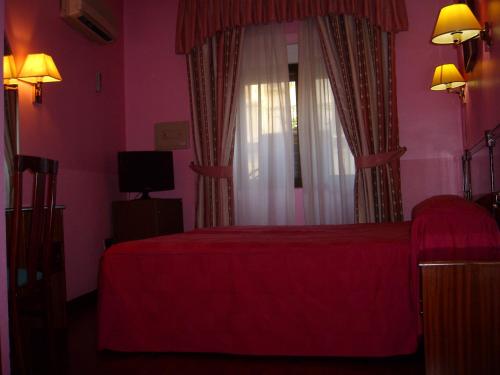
[199,19]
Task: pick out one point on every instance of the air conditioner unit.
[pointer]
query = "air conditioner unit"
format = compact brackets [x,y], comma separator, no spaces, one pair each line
[91,17]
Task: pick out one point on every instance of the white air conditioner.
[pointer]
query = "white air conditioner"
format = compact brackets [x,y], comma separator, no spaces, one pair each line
[91,17]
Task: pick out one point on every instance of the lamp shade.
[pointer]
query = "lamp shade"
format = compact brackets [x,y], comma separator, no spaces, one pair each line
[39,67]
[447,77]
[9,70]
[455,24]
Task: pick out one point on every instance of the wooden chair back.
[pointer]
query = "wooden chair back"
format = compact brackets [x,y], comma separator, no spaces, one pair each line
[32,246]
[30,254]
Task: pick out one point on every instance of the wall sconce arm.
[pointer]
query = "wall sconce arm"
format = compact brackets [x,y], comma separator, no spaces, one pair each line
[487,34]
[460,91]
[37,93]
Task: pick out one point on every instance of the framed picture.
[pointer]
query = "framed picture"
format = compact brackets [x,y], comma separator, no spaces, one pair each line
[470,47]
[171,135]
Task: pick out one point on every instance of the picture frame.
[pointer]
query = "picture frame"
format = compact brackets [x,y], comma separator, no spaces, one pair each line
[171,135]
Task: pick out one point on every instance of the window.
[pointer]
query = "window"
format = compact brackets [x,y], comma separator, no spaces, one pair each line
[293,72]
[267,133]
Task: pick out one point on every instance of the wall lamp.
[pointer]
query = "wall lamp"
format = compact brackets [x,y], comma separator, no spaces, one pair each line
[37,69]
[447,77]
[9,72]
[456,23]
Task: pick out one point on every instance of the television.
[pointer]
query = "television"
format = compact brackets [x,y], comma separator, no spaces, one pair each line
[145,171]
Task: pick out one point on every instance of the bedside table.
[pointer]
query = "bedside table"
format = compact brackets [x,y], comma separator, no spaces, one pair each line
[144,218]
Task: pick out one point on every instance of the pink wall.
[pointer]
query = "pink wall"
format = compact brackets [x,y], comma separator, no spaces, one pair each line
[156,88]
[434,126]
[75,125]
[4,320]
[482,110]
[429,122]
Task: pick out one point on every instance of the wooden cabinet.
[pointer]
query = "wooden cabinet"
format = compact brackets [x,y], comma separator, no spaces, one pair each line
[143,218]
[461,314]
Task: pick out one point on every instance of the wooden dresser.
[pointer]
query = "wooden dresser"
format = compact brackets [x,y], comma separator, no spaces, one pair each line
[461,315]
[142,218]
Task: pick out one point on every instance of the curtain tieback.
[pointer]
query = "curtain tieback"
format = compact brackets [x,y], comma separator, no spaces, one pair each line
[212,171]
[375,160]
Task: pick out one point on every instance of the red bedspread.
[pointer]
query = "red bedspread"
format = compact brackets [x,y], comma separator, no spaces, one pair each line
[325,290]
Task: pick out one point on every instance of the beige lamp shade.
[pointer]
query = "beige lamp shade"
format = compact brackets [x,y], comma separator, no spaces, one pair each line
[455,24]
[39,68]
[9,71]
[447,77]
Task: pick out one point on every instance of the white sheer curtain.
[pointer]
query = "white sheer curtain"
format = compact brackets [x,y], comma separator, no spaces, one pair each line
[326,161]
[263,156]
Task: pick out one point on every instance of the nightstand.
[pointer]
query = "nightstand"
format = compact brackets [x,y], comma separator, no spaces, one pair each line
[142,218]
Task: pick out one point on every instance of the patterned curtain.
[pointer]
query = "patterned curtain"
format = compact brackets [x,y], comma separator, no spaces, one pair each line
[10,138]
[359,58]
[328,169]
[10,130]
[212,71]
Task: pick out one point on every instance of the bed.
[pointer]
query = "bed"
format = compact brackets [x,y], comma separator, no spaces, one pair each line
[349,290]
[481,171]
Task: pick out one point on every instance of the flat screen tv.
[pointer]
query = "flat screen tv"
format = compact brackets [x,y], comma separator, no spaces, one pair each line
[145,171]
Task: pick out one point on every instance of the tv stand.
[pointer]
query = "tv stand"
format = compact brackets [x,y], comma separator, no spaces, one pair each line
[143,218]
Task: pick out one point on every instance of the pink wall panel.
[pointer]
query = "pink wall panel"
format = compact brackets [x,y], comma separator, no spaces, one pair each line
[75,125]
[429,122]
[156,88]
